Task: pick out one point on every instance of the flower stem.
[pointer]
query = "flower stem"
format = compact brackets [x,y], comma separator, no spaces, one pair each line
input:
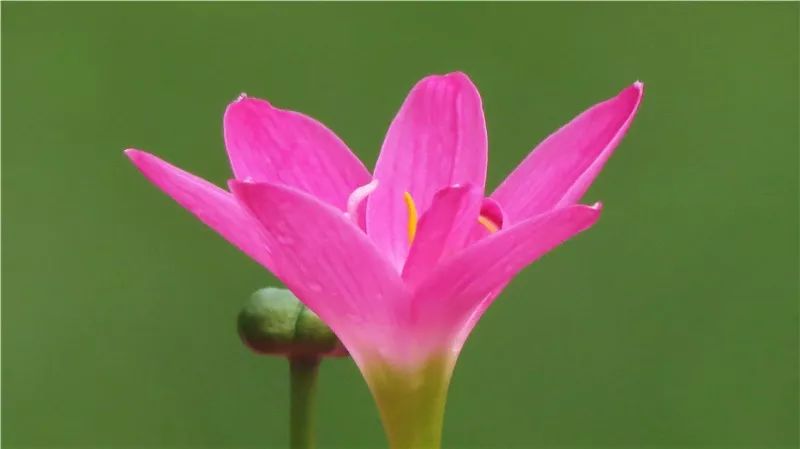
[303,373]
[412,402]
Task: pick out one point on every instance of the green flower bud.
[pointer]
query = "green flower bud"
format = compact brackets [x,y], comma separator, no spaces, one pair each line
[275,322]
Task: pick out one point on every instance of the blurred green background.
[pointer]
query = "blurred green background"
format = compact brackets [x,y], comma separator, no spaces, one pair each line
[672,323]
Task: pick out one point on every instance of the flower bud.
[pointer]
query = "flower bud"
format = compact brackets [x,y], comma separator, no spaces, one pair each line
[275,322]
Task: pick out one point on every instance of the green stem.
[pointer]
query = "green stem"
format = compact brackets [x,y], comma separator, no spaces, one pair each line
[303,373]
[412,402]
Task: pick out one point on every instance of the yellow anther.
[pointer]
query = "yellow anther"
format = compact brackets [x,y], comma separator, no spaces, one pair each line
[488,224]
[412,216]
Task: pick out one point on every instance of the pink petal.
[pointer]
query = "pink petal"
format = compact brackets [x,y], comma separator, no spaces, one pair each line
[559,171]
[436,140]
[330,264]
[215,207]
[267,144]
[442,230]
[475,316]
[457,287]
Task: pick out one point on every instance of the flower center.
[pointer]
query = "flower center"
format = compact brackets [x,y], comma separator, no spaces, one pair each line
[413,218]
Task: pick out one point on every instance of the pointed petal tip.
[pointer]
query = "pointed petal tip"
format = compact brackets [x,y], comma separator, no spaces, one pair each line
[138,157]
[458,76]
[456,79]
[589,213]
[466,188]
[592,213]
[132,152]
[243,188]
[245,104]
[458,186]
[632,94]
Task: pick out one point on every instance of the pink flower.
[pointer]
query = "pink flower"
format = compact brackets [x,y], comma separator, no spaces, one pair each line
[401,263]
